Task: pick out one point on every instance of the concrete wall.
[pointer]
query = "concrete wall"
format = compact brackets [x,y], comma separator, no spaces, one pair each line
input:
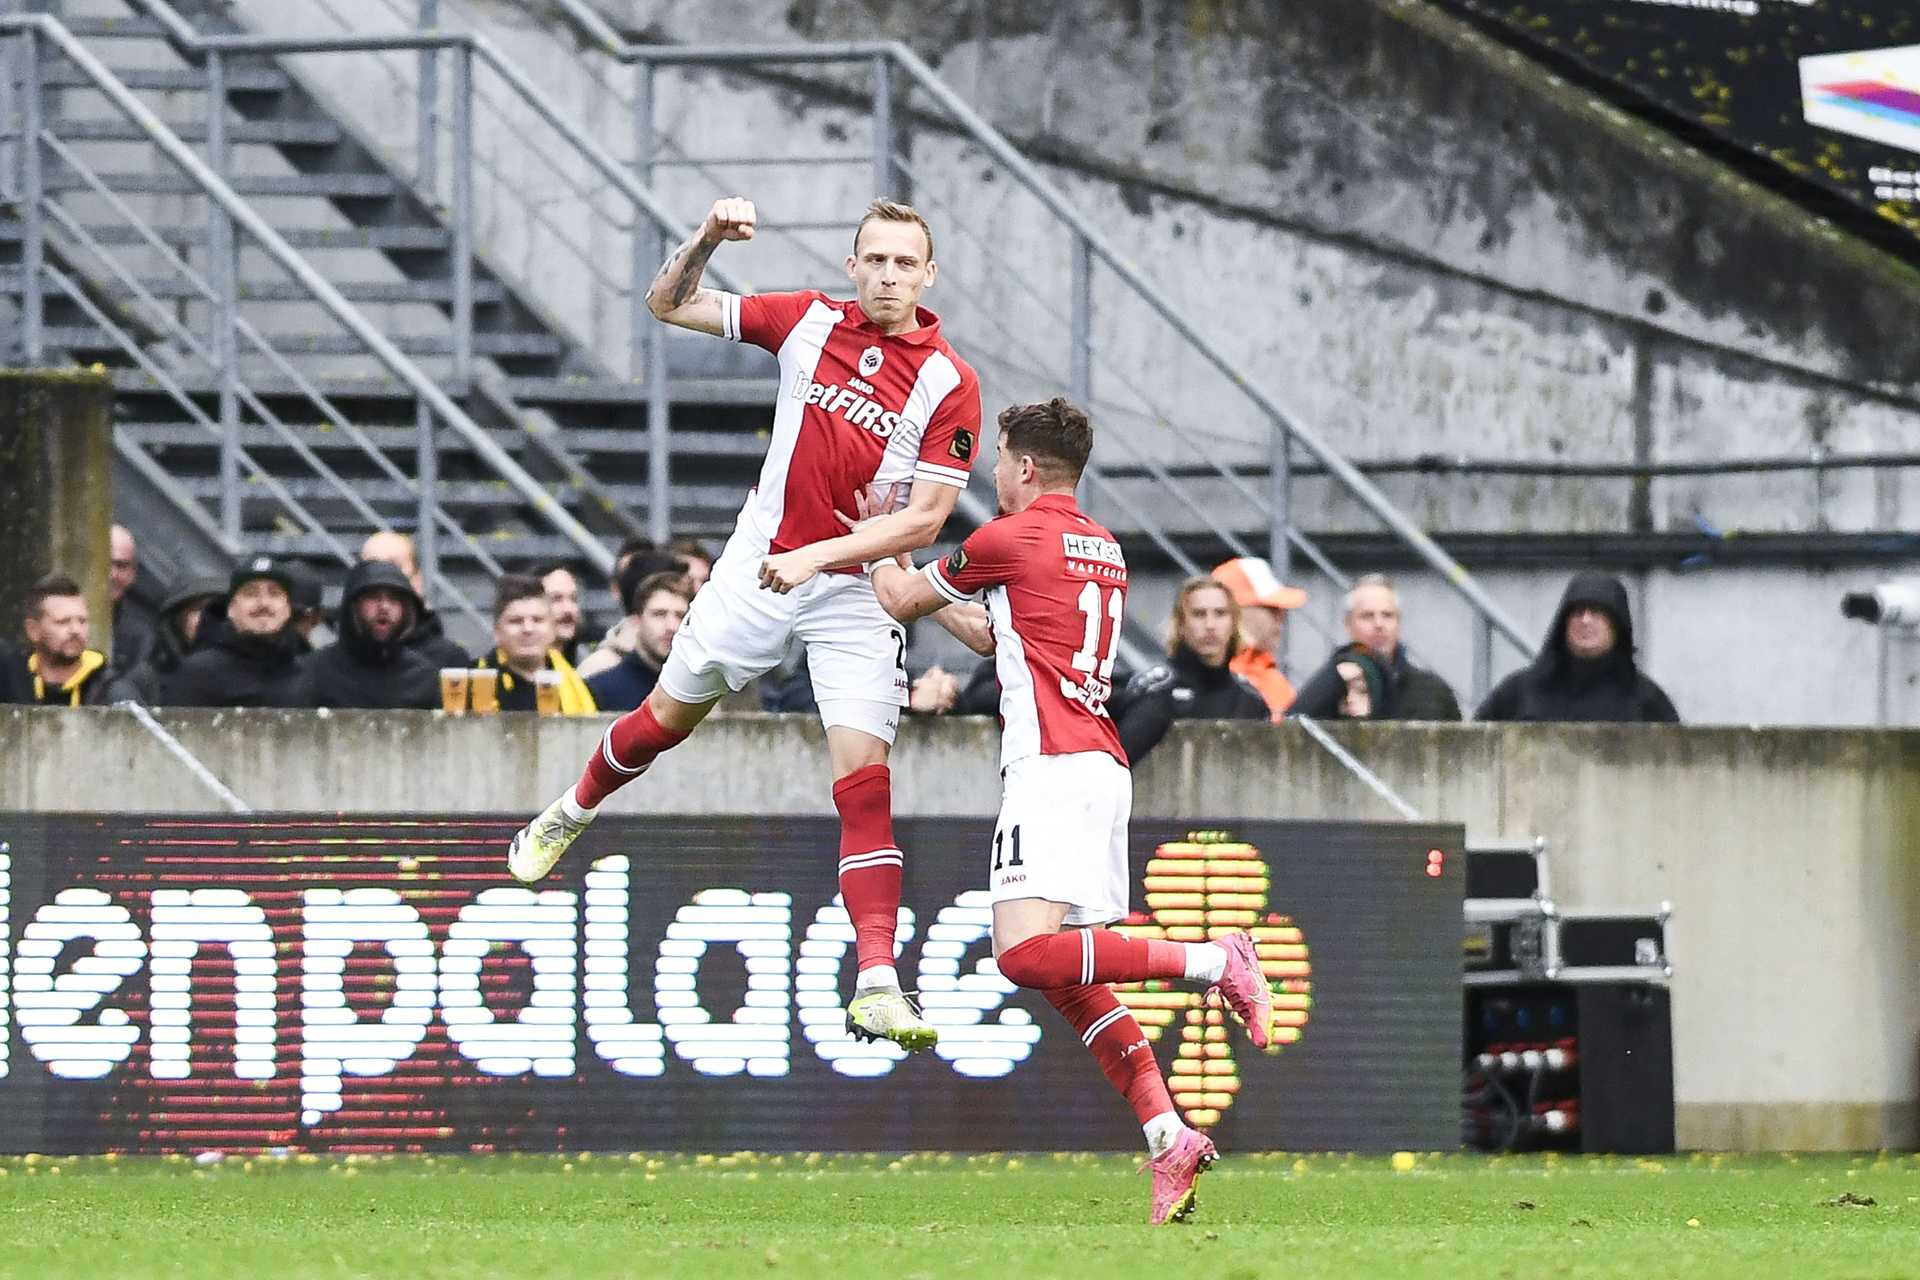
[1790,856]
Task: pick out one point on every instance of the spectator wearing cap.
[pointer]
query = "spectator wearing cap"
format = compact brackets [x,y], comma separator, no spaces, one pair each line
[1264,601]
[251,655]
[133,618]
[426,634]
[1586,669]
[1196,682]
[659,604]
[370,665]
[58,669]
[523,649]
[1410,692]
[183,620]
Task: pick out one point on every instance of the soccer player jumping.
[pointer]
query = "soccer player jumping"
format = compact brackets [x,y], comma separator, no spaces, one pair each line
[872,400]
[1055,585]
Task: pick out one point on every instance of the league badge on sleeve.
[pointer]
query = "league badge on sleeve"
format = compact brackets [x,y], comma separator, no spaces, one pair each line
[962,446]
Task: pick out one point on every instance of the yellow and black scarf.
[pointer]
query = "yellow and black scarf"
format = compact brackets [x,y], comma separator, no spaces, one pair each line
[76,686]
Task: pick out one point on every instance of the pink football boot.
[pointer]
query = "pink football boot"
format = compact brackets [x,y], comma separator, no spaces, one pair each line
[1245,988]
[1175,1172]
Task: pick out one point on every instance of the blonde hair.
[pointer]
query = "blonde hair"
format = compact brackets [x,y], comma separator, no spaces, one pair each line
[893,211]
[1190,588]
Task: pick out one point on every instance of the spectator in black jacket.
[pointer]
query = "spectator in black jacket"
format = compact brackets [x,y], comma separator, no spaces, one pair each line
[251,655]
[183,620]
[1586,668]
[1195,682]
[1373,622]
[426,634]
[58,669]
[370,665]
[309,602]
[133,618]
[657,604]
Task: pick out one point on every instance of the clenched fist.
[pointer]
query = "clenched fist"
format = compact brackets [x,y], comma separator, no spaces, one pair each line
[731,218]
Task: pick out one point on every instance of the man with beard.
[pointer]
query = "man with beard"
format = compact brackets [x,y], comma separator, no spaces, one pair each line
[562,586]
[1586,668]
[426,634]
[370,665]
[59,670]
[183,621]
[250,656]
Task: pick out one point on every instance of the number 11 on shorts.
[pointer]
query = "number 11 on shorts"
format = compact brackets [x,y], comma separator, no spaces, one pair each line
[1001,839]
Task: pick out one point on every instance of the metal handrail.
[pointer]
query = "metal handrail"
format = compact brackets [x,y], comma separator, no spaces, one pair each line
[598,32]
[241,213]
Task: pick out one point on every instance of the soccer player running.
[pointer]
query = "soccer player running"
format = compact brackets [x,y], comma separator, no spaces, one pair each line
[872,400]
[1055,585]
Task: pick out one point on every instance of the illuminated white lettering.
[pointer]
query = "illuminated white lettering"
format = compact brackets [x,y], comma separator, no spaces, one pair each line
[958,1003]
[541,1037]
[182,920]
[632,1048]
[50,1008]
[816,980]
[756,1038]
[333,1039]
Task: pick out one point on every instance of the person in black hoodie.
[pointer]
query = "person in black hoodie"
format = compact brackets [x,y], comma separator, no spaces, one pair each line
[426,634]
[370,665]
[1586,669]
[251,655]
[1195,682]
[187,615]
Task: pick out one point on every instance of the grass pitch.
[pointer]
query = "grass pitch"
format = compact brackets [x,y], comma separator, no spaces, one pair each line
[849,1217]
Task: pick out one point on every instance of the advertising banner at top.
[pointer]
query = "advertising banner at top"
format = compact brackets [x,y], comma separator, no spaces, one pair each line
[1827,89]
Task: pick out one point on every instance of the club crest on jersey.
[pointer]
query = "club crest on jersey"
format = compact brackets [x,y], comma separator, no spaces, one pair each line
[870,361]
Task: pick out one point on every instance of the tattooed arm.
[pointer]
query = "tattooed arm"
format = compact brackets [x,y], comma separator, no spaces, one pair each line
[675,295]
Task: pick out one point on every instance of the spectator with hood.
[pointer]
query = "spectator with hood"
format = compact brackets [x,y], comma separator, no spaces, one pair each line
[1586,668]
[523,649]
[250,655]
[427,635]
[371,665]
[1196,682]
[183,620]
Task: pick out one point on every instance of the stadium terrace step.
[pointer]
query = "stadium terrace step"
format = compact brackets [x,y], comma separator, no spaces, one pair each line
[332,186]
[337,344]
[115,28]
[239,79]
[284,133]
[395,239]
[585,391]
[324,438]
[458,494]
[371,291]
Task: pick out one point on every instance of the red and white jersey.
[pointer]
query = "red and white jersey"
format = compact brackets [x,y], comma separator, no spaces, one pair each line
[1056,588]
[857,407]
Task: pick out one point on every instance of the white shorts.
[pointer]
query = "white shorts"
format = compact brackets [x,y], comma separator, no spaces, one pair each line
[738,630]
[1062,835]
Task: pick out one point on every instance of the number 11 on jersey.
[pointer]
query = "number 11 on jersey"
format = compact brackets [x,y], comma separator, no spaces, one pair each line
[1098,686]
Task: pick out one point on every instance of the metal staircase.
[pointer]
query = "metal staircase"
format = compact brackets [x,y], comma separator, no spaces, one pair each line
[260,410]
[316,439]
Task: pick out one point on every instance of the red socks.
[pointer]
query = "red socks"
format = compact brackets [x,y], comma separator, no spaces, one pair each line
[1118,1045]
[1074,957]
[869,861]
[630,745]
